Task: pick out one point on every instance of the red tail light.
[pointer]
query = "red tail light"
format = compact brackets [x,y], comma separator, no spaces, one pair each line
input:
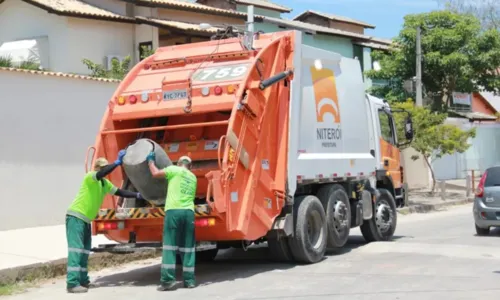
[480,186]
[218,90]
[206,222]
[132,99]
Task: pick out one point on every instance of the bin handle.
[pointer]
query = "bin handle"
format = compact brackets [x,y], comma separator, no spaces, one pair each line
[87,158]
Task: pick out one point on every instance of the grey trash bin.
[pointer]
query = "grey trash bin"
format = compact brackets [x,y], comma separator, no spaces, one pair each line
[136,167]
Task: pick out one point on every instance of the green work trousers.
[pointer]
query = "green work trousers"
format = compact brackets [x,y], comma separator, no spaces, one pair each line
[79,239]
[178,235]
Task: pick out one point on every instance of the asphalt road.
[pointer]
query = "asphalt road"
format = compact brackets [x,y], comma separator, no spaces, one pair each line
[434,256]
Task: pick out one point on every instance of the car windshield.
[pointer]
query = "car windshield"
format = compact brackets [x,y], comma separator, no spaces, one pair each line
[493,177]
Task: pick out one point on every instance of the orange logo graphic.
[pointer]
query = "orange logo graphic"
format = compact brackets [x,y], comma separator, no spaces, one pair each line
[325,93]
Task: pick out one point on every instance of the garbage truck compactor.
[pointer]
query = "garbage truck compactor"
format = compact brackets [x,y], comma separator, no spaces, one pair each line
[287,147]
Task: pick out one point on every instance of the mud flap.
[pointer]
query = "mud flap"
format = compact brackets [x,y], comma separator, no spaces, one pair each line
[366,198]
[284,224]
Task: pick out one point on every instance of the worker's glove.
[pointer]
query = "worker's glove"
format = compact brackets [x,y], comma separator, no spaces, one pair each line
[139,197]
[151,156]
[119,160]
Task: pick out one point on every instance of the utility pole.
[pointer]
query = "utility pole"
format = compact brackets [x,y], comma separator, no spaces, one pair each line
[248,40]
[419,70]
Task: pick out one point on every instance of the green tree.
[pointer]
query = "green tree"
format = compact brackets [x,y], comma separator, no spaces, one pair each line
[432,138]
[457,56]
[118,69]
[29,64]
[146,52]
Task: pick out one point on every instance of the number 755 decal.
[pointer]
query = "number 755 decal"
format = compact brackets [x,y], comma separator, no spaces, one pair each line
[221,73]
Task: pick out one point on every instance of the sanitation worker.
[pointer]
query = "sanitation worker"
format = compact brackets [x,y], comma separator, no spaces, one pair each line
[79,216]
[178,227]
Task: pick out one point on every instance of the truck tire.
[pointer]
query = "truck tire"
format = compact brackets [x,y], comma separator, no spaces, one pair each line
[206,255]
[382,225]
[308,244]
[338,214]
[280,249]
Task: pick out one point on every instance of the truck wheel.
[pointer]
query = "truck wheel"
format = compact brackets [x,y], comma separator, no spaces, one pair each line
[382,225]
[206,255]
[338,214]
[279,249]
[308,245]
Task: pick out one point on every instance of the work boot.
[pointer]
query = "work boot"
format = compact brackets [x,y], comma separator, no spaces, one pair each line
[189,285]
[77,290]
[89,285]
[166,287]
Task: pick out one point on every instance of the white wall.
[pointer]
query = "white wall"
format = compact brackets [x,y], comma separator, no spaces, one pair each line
[146,33]
[96,39]
[35,23]
[46,125]
[71,39]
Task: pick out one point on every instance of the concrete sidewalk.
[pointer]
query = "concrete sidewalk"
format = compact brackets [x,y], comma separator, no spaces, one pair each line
[23,247]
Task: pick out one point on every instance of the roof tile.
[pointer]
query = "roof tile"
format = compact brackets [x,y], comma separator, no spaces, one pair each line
[176,24]
[265,4]
[76,7]
[335,18]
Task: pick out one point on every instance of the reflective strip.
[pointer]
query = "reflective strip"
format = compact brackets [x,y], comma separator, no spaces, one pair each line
[113,190]
[187,249]
[167,247]
[79,250]
[76,269]
[168,266]
[188,269]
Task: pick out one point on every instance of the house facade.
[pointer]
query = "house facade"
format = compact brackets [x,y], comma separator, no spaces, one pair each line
[62,33]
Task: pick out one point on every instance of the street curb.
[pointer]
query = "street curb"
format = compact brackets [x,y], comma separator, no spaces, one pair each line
[425,208]
[57,267]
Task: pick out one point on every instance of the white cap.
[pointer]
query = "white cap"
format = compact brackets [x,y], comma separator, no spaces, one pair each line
[185,158]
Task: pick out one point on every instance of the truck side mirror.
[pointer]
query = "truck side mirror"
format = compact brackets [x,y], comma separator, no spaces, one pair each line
[409,128]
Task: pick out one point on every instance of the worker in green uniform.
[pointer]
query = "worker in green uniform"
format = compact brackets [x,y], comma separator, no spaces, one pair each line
[178,227]
[80,214]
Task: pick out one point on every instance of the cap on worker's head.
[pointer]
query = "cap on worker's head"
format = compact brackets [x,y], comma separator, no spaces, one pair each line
[100,162]
[184,160]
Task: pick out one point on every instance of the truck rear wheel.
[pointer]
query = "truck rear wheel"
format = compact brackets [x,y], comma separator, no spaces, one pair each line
[338,214]
[382,225]
[308,245]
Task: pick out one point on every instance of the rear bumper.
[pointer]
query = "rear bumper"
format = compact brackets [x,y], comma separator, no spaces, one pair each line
[485,216]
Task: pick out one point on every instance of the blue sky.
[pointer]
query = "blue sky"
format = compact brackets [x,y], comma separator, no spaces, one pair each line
[386,15]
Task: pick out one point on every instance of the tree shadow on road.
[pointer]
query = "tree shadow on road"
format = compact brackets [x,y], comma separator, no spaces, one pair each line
[230,265]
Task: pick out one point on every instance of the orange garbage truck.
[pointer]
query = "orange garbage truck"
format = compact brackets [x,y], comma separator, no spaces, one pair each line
[287,147]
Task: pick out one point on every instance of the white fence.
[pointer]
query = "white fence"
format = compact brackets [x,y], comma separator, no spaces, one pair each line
[484,152]
[47,121]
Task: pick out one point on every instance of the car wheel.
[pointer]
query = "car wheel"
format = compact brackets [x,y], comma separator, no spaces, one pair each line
[482,231]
